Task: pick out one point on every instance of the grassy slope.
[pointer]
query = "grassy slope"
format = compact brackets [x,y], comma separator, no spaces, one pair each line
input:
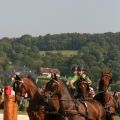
[66,53]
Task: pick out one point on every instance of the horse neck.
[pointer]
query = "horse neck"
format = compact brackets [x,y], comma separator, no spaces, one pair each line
[110,101]
[37,99]
[66,100]
[55,102]
[32,90]
[100,86]
[106,97]
[106,77]
[83,90]
[103,87]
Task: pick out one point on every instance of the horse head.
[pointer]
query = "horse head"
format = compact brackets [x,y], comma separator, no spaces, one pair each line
[19,88]
[105,81]
[24,85]
[52,88]
[36,108]
[83,89]
[51,95]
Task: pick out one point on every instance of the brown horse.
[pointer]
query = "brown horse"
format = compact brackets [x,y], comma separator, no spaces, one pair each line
[106,98]
[73,109]
[36,108]
[53,101]
[82,89]
[109,103]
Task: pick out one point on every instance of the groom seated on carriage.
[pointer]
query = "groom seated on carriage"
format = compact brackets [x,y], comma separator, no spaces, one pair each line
[79,72]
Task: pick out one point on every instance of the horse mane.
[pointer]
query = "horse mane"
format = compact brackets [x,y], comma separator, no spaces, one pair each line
[63,81]
[24,77]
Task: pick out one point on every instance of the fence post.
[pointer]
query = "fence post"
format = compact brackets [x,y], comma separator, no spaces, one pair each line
[10,106]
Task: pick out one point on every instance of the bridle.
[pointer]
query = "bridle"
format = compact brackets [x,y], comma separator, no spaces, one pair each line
[83,82]
[19,85]
[52,88]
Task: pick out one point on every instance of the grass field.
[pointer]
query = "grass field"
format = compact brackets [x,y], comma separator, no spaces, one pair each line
[66,53]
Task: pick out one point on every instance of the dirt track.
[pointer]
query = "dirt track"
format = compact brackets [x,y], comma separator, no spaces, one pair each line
[20,117]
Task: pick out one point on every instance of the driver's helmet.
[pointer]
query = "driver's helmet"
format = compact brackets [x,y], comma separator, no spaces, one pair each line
[80,68]
[74,68]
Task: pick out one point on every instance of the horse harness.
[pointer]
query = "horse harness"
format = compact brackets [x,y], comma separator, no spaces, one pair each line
[19,85]
[78,111]
[108,106]
[68,113]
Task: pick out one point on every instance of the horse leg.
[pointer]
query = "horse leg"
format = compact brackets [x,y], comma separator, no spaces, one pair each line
[31,116]
[40,115]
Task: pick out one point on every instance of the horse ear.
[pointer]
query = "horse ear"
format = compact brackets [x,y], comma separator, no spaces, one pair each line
[104,70]
[110,70]
[107,70]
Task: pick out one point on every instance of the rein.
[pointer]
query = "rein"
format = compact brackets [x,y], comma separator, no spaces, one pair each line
[101,91]
[50,98]
[72,112]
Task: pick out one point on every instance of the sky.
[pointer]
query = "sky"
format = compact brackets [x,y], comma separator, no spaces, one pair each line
[41,17]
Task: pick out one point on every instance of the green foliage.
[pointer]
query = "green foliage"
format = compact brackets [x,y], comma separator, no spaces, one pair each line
[94,51]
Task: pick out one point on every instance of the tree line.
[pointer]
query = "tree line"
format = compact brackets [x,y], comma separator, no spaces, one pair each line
[95,52]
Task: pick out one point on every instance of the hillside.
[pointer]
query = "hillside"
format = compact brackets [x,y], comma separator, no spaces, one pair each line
[94,51]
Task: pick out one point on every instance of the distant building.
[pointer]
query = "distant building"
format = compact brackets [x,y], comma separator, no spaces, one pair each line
[46,72]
